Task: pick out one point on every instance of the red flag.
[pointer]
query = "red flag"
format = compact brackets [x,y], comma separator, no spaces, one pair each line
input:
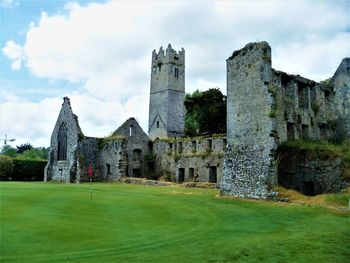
[89,171]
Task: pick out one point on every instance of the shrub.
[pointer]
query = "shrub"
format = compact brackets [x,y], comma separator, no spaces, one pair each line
[6,167]
[28,170]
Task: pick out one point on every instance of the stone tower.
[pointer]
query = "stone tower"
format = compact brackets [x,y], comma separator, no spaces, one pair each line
[248,165]
[166,108]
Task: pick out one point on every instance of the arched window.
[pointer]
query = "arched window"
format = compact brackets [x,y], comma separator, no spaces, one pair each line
[136,154]
[62,143]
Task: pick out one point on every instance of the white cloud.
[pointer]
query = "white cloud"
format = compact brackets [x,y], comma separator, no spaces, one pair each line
[14,52]
[9,3]
[33,122]
[29,122]
[107,49]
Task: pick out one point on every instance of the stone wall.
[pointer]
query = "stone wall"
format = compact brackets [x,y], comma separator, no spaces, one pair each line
[341,85]
[113,160]
[266,107]
[88,152]
[106,155]
[190,159]
[137,149]
[309,174]
[251,124]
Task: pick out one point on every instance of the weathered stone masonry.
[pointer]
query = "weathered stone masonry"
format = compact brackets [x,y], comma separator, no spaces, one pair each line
[266,107]
[251,129]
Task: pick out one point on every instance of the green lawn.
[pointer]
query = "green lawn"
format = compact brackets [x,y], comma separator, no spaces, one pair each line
[43,222]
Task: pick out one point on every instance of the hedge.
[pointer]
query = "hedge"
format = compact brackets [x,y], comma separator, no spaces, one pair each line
[24,170]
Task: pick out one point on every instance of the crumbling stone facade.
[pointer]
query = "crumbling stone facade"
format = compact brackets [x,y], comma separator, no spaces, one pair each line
[138,147]
[251,130]
[266,107]
[197,159]
[71,152]
[63,148]
[309,172]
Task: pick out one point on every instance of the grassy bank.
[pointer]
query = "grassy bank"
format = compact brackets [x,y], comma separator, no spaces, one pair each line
[134,223]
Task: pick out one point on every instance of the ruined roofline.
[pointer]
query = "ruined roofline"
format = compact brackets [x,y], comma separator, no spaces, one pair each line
[296,77]
[170,54]
[343,68]
[250,46]
[66,100]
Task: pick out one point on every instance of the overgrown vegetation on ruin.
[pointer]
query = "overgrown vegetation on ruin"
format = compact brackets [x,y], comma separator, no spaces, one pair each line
[324,149]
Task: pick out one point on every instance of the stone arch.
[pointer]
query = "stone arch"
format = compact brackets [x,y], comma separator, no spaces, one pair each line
[137,154]
[62,143]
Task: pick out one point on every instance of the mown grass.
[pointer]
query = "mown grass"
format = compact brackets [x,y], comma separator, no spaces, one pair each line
[45,222]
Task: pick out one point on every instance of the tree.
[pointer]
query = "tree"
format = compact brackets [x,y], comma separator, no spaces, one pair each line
[24,147]
[9,151]
[206,112]
[35,153]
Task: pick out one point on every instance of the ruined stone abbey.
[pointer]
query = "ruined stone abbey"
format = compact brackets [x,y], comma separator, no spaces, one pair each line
[265,107]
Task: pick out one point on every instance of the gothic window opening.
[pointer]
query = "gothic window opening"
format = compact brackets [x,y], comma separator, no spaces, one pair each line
[157,124]
[62,143]
[136,154]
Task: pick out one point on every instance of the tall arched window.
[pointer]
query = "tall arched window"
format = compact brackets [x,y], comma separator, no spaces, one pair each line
[62,142]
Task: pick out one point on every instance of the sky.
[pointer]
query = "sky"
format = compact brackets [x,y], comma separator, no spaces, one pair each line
[98,53]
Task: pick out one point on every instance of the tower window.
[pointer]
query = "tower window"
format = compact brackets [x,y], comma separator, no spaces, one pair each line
[130,130]
[176,73]
[157,124]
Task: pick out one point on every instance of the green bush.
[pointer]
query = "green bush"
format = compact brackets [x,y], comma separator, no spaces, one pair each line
[24,170]
[6,167]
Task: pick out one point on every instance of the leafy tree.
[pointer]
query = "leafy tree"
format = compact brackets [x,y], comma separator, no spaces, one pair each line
[35,153]
[24,147]
[9,151]
[206,112]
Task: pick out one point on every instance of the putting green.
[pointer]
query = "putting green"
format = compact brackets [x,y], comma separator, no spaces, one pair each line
[43,222]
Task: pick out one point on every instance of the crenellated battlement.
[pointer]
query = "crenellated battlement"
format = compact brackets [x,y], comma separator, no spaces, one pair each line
[168,56]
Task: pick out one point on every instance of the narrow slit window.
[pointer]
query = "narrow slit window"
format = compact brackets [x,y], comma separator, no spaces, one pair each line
[176,73]
[157,124]
[130,130]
